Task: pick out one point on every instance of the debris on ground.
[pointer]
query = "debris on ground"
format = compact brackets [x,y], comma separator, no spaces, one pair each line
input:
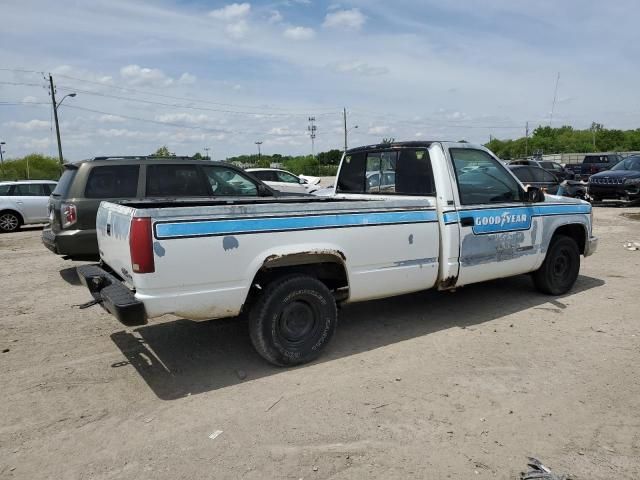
[632,246]
[540,472]
[215,434]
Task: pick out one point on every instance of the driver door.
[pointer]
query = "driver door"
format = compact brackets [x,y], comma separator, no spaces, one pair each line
[497,229]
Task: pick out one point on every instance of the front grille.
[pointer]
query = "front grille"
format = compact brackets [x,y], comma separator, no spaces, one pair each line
[606,181]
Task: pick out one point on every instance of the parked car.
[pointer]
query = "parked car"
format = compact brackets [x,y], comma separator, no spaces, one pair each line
[622,182]
[289,264]
[284,181]
[83,185]
[554,167]
[23,203]
[537,177]
[594,163]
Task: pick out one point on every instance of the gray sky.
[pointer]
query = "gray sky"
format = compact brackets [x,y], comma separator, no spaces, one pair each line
[192,74]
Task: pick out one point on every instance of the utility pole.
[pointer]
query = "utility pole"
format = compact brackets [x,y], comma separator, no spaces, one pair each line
[312,133]
[344,114]
[206,149]
[1,157]
[526,140]
[259,151]
[555,99]
[55,116]
[593,134]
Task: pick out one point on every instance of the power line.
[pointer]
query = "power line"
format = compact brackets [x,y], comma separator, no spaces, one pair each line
[173,105]
[199,100]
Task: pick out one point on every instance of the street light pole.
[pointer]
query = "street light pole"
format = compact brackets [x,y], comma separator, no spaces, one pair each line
[55,115]
[259,152]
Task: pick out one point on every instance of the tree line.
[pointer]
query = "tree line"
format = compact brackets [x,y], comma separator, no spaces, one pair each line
[566,139]
[546,140]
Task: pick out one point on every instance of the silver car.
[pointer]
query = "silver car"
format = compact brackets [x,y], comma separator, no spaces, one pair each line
[24,202]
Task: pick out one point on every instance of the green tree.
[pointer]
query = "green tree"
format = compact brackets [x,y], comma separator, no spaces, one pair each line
[163,151]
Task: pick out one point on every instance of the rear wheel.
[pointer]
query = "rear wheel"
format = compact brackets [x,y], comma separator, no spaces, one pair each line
[293,320]
[559,271]
[9,222]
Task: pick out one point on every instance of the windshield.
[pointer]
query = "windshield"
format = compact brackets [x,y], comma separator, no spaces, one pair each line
[631,163]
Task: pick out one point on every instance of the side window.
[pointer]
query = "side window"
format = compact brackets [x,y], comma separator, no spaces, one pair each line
[548,177]
[481,178]
[228,182]
[400,172]
[112,181]
[166,180]
[29,190]
[265,175]
[523,174]
[4,189]
[286,177]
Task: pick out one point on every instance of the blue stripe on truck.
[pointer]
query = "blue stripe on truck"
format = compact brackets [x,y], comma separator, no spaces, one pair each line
[281,224]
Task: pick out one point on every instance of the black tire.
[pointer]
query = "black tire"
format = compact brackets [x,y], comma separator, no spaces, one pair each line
[9,222]
[559,271]
[293,320]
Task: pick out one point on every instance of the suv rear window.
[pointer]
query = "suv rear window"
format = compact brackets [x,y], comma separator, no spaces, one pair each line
[175,181]
[112,181]
[62,188]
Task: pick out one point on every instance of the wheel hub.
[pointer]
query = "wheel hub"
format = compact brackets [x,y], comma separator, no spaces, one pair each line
[8,222]
[297,320]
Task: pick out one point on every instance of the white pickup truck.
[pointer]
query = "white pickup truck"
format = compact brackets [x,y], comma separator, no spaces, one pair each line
[446,215]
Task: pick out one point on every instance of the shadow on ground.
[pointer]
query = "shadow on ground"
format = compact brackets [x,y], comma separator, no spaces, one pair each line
[181,358]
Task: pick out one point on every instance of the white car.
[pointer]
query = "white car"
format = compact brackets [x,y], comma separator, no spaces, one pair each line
[24,202]
[284,181]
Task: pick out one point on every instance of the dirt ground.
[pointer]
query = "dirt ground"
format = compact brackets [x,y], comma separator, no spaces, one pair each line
[431,385]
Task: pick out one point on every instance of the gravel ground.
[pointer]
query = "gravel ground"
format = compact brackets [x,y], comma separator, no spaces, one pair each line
[429,385]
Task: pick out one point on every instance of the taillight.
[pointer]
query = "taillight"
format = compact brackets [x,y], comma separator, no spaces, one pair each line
[69,214]
[141,245]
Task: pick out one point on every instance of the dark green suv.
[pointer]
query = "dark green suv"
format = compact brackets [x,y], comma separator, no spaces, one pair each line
[83,185]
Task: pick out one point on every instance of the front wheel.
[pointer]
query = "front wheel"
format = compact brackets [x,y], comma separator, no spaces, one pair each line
[559,271]
[9,222]
[293,320]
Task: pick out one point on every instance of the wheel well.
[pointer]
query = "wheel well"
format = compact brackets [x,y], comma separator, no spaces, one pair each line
[577,232]
[327,268]
[8,210]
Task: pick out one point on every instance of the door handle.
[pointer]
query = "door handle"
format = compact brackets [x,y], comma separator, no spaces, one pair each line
[19,202]
[466,221]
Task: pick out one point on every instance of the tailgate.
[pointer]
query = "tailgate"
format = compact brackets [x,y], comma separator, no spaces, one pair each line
[113,223]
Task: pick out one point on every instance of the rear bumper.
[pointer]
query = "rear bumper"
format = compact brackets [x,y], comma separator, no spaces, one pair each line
[114,296]
[71,242]
[591,246]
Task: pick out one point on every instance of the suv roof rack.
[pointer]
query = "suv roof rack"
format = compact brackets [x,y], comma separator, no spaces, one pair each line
[144,157]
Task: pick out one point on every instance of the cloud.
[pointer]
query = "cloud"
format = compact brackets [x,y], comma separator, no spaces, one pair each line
[36,143]
[233,11]
[29,99]
[136,75]
[111,119]
[379,130]
[187,79]
[29,126]
[299,33]
[358,68]
[237,29]
[345,19]
[187,118]
[275,17]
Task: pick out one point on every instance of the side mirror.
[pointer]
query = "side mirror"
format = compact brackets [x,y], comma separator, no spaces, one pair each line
[534,195]
[303,181]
